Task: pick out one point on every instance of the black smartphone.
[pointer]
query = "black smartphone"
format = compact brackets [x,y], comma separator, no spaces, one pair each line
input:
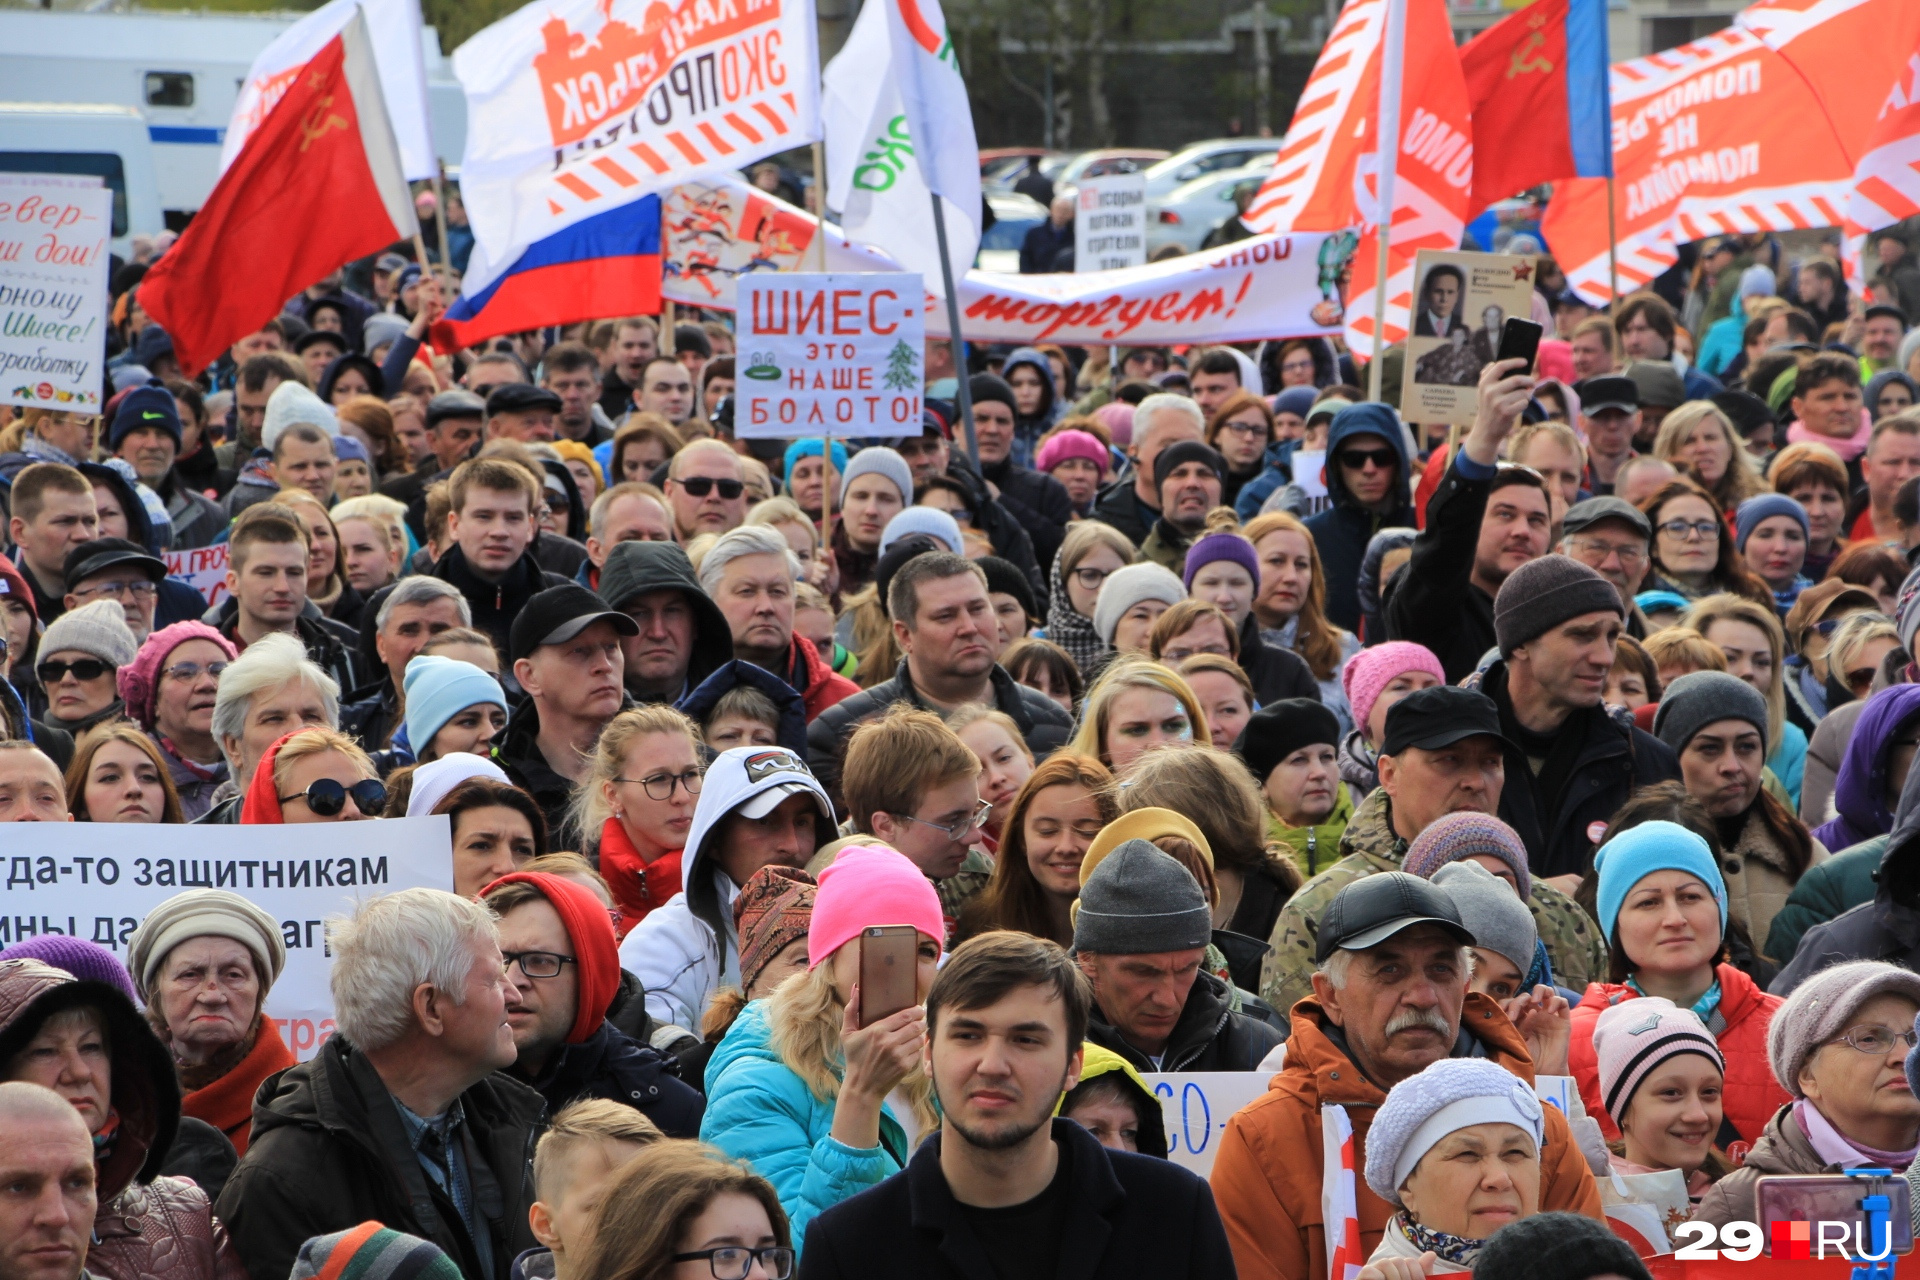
[1519,340]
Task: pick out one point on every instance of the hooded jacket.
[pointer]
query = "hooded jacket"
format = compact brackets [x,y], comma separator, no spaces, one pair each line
[330,1151]
[792,734]
[1860,790]
[495,604]
[148,1227]
[518,753]
[177,601]
[1341,532]
[1208,1036]
[685,951]
[1739,1027]
[1267,1175]
[1009,536]
[1848,879]
[1028,428]
[1096,1063]
[1884,927]
[663,566]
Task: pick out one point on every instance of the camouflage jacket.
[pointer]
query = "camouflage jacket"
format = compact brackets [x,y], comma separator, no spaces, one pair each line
[1575,948]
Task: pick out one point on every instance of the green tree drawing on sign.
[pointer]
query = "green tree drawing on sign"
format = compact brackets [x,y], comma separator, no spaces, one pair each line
[900,373]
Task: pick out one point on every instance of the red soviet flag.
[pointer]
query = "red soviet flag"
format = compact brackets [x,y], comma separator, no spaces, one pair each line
[318,185]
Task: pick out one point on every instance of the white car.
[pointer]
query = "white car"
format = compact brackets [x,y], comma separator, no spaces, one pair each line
[1203,158]
[1099,164]
[1193,209]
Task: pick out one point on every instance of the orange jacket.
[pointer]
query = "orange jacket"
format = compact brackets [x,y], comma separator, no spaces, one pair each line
[1266,1178]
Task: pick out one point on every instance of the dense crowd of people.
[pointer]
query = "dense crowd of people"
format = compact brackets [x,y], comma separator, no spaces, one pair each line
[1572,745]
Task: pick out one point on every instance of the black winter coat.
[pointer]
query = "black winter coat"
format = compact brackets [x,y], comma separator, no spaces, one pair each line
[1209,1036]
[1127,1216]
[1038,502]
[1274,672]
[1887,928]
[1119,506]
[496,604]
[1436,603]
[330,1151]
[610,1064]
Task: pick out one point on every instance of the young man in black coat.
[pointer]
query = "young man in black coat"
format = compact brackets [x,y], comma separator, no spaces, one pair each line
[1005,1189]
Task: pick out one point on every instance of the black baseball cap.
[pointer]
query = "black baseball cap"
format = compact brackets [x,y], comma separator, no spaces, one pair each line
[101,554]
[1608,391]
[521,397]
[1607,507]
[558,614]
[1374,908]
[1439,717]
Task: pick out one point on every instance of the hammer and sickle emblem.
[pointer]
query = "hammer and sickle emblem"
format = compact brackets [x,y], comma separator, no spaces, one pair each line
[318,123]
[1524,59]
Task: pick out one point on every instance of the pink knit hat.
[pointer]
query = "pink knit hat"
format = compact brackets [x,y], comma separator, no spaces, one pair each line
[1634,1037]
[1371,670]
[1072,444]
[1117,417]
[139,680]
[870,884]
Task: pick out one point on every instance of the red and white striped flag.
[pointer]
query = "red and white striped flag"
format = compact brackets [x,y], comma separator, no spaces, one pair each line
[1339,1204]
[1886,182]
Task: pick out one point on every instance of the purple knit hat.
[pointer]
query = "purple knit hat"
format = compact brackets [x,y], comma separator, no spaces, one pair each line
[1372,669]
[1465,835]
[1221,546]
[140,679]
[87,961]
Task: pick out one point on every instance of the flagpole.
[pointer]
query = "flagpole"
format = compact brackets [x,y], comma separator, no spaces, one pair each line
[820,264]
[961,391]
[1391,59]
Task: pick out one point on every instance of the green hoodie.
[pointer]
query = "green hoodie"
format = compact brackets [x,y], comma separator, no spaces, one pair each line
[1315,848]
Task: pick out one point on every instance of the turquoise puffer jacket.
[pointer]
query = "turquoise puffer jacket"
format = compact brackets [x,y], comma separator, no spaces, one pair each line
[759,1111]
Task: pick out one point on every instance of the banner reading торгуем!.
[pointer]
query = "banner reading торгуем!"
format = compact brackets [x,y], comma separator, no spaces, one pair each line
[54,242]
[829,354]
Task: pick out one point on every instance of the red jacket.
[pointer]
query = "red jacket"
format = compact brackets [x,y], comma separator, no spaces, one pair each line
[638,886]
[1751,1096]
[822,686]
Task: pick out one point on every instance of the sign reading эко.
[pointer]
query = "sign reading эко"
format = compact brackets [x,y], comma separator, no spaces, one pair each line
[829,354]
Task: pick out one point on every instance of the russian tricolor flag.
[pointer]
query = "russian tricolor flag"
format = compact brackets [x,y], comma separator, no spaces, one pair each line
[607,265]
[1537,83]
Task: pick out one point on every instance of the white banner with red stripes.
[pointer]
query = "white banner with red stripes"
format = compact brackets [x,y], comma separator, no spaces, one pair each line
[580,106]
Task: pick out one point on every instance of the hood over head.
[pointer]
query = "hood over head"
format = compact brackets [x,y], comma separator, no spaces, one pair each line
[635,568]
[596,954]
[1109,1067]
[749,780]
[1860,788]
[1367,418]
[792,734]
[1040,365]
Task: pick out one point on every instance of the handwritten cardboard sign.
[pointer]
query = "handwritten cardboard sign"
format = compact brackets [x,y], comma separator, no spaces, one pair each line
[54,238]
[830,353]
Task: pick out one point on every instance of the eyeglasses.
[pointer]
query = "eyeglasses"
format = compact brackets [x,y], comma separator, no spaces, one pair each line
[1876,1040]
[1632,553]
[960,828]
[327,797]
[188,672]
[139,589]
[1354,459]
[734,1262]
[536,964]
[1090,579]
[1245,428]
[701,486]
[659,786]
[83,670]
[1689,530]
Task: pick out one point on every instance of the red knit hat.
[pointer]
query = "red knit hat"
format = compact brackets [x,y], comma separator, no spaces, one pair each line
[13,586]
[591,930]
[262,805]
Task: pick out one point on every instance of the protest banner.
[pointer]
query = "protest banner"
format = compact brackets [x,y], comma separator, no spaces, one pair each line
[1110,223]
[1272,286]
[582,105]
[1462,301]
[202,568]
[1196,1106]
[716,232]
[54,237]
[829,353]
[92,881]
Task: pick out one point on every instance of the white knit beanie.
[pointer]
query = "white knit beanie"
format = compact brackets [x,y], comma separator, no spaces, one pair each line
[1448,1096]
[99,629]
[880,460]
[1125,588]
[291,403]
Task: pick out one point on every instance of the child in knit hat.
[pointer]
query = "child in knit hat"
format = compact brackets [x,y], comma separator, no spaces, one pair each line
[1663,1081]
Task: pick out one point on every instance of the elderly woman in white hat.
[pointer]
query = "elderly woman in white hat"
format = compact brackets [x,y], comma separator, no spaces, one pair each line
[203,962]
[1457,1149]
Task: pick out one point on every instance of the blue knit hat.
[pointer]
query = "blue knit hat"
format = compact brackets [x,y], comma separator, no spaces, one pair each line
[1767,505]
[1638,852]
[347,448]
[438,689]
[928,520]
[812,449]
[1446,1097]
[1296,400]
[148,406]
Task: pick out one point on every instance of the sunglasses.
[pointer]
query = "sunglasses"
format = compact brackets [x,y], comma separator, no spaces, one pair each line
[701,486]
[85,669]
[1355,459]
[325,797]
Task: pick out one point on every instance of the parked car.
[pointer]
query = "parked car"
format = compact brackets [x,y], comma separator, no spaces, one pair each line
[1201,158]
[1001,167]
[1192,209]
[1098,164]
[1014,216]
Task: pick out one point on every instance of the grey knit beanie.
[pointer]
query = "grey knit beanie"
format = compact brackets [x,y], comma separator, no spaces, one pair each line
[99,629]
[878,459]
[1820,1008]
[1699,698]
[1541,594]
[1492,912]
[1125,588]
[1139,901]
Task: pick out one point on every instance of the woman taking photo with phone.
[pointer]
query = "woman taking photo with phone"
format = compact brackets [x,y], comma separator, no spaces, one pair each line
[1840,1047]
[820,1105]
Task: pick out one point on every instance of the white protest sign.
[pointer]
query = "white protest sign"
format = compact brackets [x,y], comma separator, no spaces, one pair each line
[202,568]
[1110,223]
[1196,1106]
[833,352]
[54,238]
[1310,477]
[98,881]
